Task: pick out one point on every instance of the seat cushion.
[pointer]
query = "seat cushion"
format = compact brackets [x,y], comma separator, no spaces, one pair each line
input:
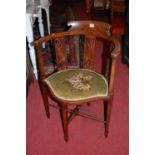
[74,85]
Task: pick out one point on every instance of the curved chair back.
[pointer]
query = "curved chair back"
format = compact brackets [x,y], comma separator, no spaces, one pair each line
[82,34]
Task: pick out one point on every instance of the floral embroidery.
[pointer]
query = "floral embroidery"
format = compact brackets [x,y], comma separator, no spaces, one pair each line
[80,81]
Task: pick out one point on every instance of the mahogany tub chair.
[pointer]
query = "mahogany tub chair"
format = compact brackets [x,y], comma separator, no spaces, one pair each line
[76,85]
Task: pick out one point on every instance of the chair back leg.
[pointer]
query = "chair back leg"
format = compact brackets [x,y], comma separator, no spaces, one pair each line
[107,115]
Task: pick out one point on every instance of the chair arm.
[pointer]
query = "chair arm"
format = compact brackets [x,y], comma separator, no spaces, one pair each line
[116,50]
[114,55]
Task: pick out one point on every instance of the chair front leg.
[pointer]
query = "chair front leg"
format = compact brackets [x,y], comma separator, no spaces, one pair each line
[107,115]
[45,99]
[64,114]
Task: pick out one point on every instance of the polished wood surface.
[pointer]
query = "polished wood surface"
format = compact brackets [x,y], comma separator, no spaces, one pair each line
[91,30]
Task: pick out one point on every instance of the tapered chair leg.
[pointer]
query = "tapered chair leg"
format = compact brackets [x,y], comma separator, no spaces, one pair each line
[64,114]
[107,115]
[45,100]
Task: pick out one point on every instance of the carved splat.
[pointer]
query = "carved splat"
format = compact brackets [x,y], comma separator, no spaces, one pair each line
[81,48]
[89,47]
[61,53]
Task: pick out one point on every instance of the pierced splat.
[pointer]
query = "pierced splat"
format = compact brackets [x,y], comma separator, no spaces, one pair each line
[61,53]
[89,47]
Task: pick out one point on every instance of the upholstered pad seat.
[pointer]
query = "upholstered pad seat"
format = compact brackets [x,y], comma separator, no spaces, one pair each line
[73,85]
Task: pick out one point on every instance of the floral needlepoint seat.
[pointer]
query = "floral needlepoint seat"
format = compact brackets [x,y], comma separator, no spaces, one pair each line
[74,85]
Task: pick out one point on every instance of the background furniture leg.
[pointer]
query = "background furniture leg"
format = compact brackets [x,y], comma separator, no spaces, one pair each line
[48,19]
[30,38]
[41,27]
